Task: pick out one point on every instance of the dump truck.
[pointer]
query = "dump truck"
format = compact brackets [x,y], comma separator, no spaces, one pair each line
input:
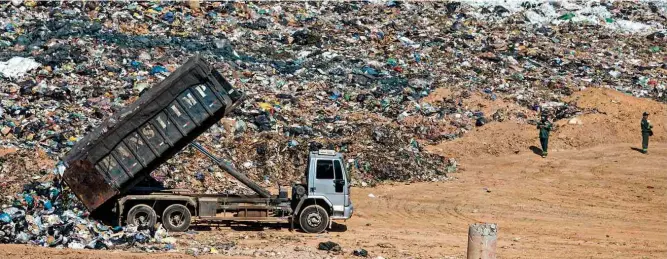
[109,169]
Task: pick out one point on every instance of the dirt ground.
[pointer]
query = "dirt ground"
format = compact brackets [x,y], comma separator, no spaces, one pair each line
[593,197]
[618,121]
[604,202]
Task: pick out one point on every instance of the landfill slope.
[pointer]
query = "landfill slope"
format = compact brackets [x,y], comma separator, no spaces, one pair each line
[616,121]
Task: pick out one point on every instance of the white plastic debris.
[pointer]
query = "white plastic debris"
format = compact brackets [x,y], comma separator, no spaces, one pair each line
[17,67]
[371,195]
[575,121]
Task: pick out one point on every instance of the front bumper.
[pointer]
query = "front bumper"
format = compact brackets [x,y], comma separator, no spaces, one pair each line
[349,210]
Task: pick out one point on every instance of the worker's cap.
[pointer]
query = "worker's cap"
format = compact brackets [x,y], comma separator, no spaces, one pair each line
[645,114]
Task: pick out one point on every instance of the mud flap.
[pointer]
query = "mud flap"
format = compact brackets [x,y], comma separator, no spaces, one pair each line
[291,223]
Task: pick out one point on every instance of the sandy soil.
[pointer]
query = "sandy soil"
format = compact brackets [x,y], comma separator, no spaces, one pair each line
[604,202]
[618,121]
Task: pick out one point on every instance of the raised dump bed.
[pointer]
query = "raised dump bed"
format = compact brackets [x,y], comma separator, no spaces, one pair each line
[130,144]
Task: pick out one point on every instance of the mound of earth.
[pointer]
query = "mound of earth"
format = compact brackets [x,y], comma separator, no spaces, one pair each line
[617,121]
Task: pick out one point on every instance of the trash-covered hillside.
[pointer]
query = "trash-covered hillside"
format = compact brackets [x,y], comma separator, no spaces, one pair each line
[354,77]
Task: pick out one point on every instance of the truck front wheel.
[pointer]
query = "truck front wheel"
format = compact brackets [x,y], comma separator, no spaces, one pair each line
[142,215]
[176,218]
[314,219]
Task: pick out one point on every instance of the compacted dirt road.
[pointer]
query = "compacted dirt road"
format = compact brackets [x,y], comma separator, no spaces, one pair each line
[603,202]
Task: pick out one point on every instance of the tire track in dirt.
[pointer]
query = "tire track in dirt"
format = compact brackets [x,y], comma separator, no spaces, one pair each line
[589,206]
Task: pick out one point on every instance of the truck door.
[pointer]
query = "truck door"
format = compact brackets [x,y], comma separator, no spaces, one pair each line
[341,182]
[326,183]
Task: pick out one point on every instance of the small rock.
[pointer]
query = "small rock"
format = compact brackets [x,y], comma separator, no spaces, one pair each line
[575,121]
[385,245]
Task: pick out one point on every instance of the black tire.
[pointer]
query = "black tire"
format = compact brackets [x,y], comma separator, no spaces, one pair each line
[142,215]
[176,218]
[314,219]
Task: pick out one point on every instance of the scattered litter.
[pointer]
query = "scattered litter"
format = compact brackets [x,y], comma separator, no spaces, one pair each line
[329,246]
[17,67]
[360,252]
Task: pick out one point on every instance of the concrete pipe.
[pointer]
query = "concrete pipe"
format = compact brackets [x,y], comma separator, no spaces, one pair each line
[482,239]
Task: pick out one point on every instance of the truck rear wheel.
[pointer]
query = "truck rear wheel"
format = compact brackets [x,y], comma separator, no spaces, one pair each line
[141,215]
[176,218]
[314,219]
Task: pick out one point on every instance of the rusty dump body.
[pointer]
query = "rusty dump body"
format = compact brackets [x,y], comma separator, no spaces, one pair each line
[126,147]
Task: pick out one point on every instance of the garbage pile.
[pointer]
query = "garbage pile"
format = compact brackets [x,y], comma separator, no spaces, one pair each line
[353,77]
[47,214]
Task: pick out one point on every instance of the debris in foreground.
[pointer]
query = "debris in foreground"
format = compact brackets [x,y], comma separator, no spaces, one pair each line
[329,246]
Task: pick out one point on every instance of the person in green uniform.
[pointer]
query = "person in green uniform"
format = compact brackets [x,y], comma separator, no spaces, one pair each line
[545,127]
[646,132]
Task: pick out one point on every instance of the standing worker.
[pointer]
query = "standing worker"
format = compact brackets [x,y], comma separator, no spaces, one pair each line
[545,127]
[646,132]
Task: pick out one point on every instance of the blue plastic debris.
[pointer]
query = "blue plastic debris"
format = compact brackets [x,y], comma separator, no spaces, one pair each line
[292,143]
[335,95]
[370,71]
[5,218]
[53,193]
[168,17]
[28,199]
[158,69]
[417,57]
[199,176]
[140,238]
[135,64]
[48,205]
